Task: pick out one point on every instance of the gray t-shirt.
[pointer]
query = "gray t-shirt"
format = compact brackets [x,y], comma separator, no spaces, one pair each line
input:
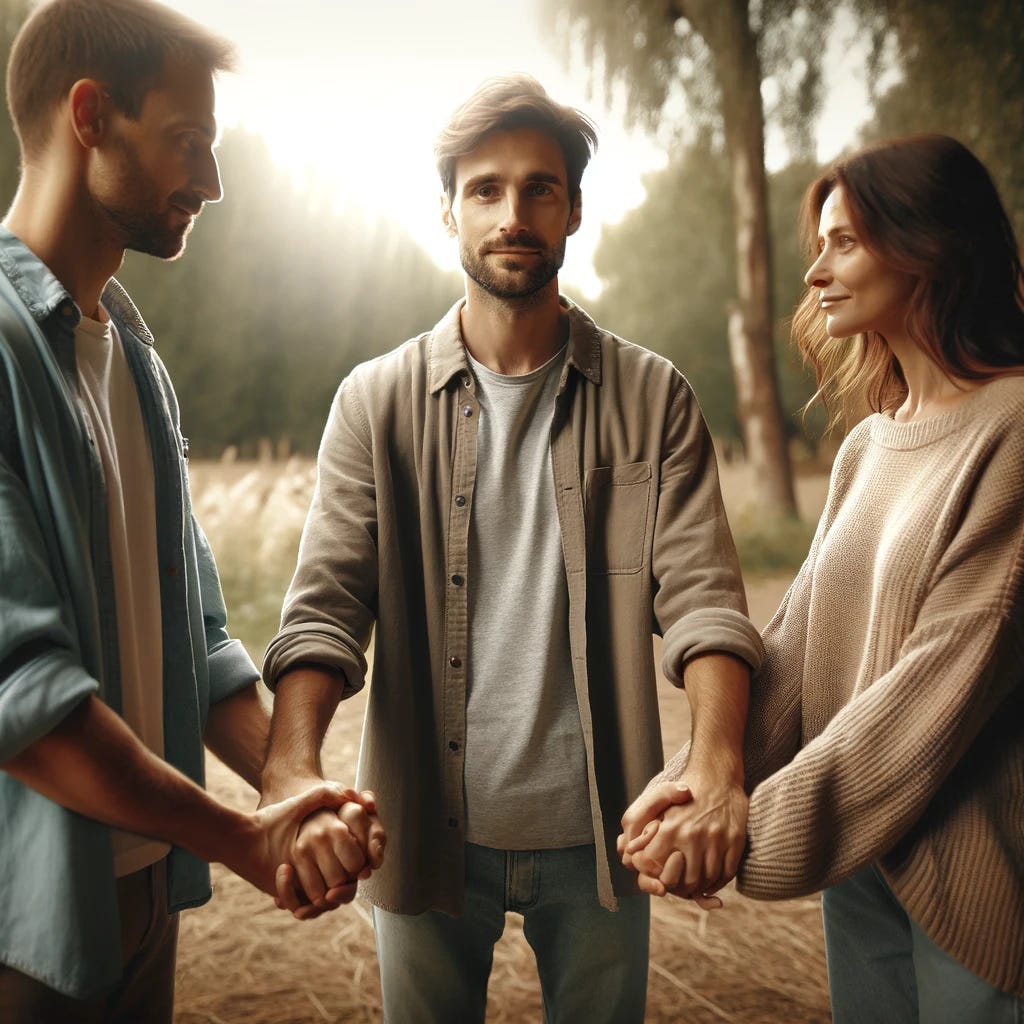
[525,768]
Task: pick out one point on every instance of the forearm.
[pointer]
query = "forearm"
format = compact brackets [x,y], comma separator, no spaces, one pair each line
[718,688]
[92,763]
[237,732]
[687,836]
[305,700]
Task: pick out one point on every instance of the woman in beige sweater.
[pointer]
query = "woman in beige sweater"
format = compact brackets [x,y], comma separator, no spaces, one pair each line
[885,743]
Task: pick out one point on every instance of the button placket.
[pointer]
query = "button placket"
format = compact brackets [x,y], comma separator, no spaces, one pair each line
[464,424]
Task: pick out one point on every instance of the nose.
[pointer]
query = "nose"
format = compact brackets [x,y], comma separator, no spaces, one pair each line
[207,180]
[818,275]
[512,218]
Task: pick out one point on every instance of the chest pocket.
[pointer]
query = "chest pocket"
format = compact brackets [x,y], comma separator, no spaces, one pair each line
[617,505]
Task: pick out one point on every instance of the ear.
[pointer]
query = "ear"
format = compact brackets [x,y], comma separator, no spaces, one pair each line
[447,217]
[89,105]
[575,214]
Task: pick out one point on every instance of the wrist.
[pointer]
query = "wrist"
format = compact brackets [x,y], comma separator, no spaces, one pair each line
[278,782]
[721,766]
[217,833]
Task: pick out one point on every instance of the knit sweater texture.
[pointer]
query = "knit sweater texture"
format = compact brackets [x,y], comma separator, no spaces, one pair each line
[887,723]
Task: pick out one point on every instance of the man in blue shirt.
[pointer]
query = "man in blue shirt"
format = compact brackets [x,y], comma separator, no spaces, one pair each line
[115,664]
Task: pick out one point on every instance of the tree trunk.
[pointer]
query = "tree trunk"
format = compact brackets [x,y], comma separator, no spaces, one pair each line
[725,27]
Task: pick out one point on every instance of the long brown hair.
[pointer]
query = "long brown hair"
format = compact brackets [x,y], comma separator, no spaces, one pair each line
[925,206]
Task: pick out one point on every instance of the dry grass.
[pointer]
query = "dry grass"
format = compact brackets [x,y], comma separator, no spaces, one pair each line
[243,962]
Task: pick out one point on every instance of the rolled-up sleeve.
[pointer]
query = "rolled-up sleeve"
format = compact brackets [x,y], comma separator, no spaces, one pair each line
[41,675]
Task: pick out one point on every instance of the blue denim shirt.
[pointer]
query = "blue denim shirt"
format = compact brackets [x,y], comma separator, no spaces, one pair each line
[58,632]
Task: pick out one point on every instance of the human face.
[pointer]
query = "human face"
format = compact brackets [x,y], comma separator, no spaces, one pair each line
[155,174]
[511,213]
[858,292]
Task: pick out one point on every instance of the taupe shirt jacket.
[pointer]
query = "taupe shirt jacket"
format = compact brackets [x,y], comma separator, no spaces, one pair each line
[646,545]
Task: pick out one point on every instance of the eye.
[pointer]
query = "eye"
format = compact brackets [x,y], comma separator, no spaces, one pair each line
[539,188]
[485,191]
[845,241]
[192,142]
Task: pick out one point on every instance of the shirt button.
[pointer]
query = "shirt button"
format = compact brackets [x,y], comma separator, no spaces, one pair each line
[460,500]
[458,580]
[453,823]
[467,410]
[455,661]
[172,570]
[453,745]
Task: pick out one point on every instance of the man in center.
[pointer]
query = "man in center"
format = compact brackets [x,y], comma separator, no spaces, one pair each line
[516,500]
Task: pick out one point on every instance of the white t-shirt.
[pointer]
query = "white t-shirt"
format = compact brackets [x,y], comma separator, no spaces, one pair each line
[111,404]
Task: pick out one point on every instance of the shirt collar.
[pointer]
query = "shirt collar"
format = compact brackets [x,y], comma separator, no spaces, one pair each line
[35,284]
[44,295]
[447,351]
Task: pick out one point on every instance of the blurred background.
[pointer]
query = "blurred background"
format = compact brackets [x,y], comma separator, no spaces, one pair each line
[327,250]
[328,247]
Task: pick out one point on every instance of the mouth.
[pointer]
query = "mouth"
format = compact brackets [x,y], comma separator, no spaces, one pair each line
[513,252]
[829,301]
[186,211]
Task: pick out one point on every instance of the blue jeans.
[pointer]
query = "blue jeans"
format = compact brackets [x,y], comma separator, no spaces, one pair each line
[882,969]
[592,962]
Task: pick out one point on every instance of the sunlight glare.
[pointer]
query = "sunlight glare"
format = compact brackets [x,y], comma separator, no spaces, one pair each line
[350,96]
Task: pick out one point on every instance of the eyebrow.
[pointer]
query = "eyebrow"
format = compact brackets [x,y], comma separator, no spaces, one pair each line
[838,229]
[491,176]
[208,128]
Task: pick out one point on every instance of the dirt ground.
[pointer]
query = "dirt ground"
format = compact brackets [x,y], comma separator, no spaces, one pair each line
[241,961]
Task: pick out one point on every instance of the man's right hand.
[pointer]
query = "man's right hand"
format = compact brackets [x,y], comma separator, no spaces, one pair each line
[333,848]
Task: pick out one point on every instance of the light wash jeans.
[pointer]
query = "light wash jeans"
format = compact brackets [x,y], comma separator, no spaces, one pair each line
[592,962]
[882,969]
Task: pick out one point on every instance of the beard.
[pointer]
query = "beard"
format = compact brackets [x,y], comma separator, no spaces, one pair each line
[508,279]
[140,219]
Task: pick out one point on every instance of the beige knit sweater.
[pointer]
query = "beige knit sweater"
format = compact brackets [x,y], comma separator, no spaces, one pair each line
[887,723]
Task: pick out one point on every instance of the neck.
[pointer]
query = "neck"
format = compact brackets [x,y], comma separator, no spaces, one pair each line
[930,390]
[513,337]
[55,220]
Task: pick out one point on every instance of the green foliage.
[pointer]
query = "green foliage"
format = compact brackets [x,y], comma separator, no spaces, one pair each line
[962,67]
[669,272]
[657,53]
[12,14]
[278,296]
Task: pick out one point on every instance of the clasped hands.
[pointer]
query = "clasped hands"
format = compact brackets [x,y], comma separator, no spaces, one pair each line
[685,837]
[310,850]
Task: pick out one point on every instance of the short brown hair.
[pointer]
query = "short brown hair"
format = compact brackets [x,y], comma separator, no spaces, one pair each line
[926,206]
[125,44]
[507,103]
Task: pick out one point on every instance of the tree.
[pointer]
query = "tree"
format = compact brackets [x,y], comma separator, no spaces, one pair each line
[683,232]
[279,294]
[712,53]
[961,72]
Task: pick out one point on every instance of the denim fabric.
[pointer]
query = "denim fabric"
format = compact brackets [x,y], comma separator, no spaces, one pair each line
[145,994]
[592,961]
[882,969]
[58,629]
